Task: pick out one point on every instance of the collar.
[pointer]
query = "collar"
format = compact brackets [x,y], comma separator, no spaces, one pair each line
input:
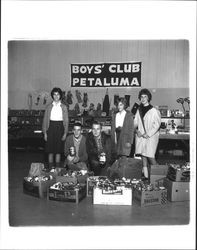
[77,139]
[56,104]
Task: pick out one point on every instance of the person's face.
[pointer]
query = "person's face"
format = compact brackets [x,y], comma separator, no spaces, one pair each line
[77,131]
[144,100]
[120,106]
[96,130]
[56,96]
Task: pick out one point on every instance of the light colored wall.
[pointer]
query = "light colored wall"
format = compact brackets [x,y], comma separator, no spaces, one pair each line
[36,66]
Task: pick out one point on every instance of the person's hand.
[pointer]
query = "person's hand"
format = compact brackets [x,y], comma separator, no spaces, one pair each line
[70,158]
[45,136]
[145,136]
[76,159]
[128,144]
[64,137]
[139,134]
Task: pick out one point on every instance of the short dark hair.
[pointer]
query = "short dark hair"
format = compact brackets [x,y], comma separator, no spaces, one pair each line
[77,124]
[95,122]
[123,101]
[54,90]
[145,92]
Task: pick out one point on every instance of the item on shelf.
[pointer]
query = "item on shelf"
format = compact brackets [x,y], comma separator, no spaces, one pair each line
[163,111]
[91,110]
[85,100]
[64,99]
[77,109]
[177,172]
[181,101]
[127,97]
[134,108]
[98,109]
[37,99]
[177,191]
[69,97]
[106,104]
[148,195]
[116,98]
[78,96]
[30,101]
[67,192]
[187,100]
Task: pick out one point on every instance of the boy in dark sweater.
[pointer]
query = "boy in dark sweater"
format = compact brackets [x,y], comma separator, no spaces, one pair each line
[75,149]
[98,145]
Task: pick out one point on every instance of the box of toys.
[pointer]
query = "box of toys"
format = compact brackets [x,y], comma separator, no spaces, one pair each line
[118,192]
[91,182]
[37,186]
[177,191]
[73,177]
[157,173]
[148,195]
[178,172]
[67,192]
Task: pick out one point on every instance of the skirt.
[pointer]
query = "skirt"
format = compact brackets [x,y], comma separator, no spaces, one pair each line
[54,143]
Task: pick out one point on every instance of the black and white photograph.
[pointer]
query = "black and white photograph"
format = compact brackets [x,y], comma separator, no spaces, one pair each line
[99,136]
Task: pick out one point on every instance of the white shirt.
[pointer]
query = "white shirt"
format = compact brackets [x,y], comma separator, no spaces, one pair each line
[120,118]
[56,112]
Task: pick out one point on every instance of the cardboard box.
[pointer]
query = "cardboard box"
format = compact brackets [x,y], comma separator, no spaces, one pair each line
[62,177]
[157,173]
[121,196]
[67,195]
[176,173]
[91,182]
[149,198]
[177,191]
[37,188]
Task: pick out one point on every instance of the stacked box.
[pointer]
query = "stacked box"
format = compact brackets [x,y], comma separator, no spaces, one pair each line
[157,174]
[91,183]
[120,196]
[72,176]
[150,197]
[178,173]
[176,191]
[67,193]
[37,186]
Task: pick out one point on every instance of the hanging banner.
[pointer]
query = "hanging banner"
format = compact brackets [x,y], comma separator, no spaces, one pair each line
[106,75]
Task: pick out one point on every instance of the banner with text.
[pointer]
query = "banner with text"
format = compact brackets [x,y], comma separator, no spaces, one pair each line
[106,75]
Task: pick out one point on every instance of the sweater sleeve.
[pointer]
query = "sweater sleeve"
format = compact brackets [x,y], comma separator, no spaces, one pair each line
[83,154]
[156,123]
[66,120]
[44,122]
[67,146]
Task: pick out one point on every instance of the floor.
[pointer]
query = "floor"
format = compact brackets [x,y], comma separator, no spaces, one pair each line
[25,210]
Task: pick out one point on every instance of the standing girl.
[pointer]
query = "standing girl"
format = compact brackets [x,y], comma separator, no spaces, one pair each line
[147,123]
[55,127]
[122,129]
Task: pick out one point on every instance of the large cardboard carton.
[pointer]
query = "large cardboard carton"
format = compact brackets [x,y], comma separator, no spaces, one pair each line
[66,176]
[37,188]
[149,198]
[177,191]
[72,195]
[178,173]
[157,173]
[121,196]
[91,182]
